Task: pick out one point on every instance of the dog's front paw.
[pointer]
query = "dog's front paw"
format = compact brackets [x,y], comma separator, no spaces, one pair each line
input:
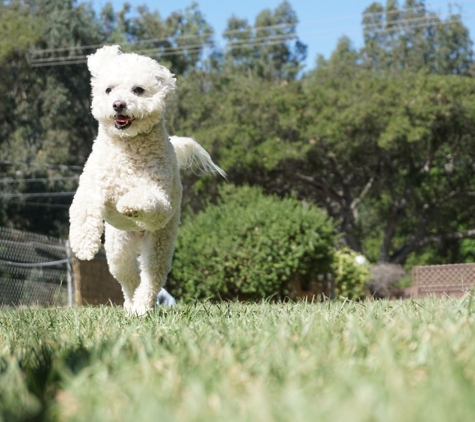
[141,310]
[84,254]
[85,249]
[129,207]
[130,212]
[85,241]
[128,307]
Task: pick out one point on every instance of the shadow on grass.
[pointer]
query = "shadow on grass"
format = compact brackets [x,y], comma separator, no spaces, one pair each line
[44,371]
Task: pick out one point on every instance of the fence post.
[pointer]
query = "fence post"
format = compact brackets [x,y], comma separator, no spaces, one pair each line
[70,274]
[332,285]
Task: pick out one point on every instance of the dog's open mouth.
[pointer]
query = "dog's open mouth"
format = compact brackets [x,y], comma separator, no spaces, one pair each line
[122,122]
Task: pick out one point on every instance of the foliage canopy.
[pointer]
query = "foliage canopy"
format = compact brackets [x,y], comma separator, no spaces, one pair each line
[381,137]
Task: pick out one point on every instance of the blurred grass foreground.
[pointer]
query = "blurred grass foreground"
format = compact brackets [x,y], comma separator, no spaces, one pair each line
[333,361]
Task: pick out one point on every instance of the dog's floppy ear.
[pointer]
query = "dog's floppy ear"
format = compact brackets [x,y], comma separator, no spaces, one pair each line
[97,60]
[166,81]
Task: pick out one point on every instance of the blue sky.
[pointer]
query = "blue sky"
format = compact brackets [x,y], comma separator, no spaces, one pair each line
[322,23]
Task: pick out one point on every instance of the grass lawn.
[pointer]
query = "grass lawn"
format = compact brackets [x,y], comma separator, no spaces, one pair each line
[340,361]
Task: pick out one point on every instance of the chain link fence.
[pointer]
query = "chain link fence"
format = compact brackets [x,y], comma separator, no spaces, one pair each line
[34,270]
[41,270]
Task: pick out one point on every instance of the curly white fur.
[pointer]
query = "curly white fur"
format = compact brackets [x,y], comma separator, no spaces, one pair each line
[131,179]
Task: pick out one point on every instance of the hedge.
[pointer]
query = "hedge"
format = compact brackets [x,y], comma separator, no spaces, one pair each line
[250,246]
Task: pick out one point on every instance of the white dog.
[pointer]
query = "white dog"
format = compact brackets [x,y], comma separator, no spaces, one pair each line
[131,179]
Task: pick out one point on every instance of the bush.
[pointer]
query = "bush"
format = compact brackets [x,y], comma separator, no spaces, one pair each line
[250,246]
[351,277]
[385,278]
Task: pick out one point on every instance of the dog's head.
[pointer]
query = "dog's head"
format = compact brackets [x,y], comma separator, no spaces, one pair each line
[128,91]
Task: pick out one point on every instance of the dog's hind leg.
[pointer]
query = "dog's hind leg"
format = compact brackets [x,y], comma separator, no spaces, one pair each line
[121,249]
[155,263]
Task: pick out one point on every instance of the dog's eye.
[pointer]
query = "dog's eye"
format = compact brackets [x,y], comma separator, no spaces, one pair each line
[138,90]
[108,90]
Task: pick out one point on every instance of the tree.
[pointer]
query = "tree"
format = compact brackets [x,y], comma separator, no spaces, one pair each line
[388,156]
[381,137]
[406,44]
[412,38]
[394,164]
[48,119]
[177,41]
[249,124]
[18,30]
[270,49]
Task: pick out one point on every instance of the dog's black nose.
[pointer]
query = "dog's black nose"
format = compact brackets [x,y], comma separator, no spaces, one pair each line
[119,105]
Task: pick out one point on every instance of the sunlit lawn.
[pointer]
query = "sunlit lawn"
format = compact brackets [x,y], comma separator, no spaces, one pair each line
[337,361]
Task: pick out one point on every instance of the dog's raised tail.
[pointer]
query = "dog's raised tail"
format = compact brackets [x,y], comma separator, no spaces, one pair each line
[189,152]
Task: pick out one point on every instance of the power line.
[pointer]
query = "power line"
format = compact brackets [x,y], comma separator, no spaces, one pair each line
[233,31]
[58,63]
[35,195]
[428,19]
[180,51]
[395,28]
[232,43]
[148,51]
[58,166]
[90,47]
[38,204]
[171,50]
[174,50]
[352,29]
[40,179]
[193,36]
[231,46]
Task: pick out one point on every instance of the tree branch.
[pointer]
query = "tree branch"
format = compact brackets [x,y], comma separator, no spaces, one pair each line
[439,238]
[322,185]
[358,200]
[393,219]
[347,215]
[445,198]
[414,245]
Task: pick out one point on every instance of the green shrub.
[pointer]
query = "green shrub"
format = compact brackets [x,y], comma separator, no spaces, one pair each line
[351,277]
[250,246]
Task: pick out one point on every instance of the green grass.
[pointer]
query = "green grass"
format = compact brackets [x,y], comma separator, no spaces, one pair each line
[341,361]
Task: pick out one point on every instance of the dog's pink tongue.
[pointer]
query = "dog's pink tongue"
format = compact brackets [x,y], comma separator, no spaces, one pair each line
[121,119]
